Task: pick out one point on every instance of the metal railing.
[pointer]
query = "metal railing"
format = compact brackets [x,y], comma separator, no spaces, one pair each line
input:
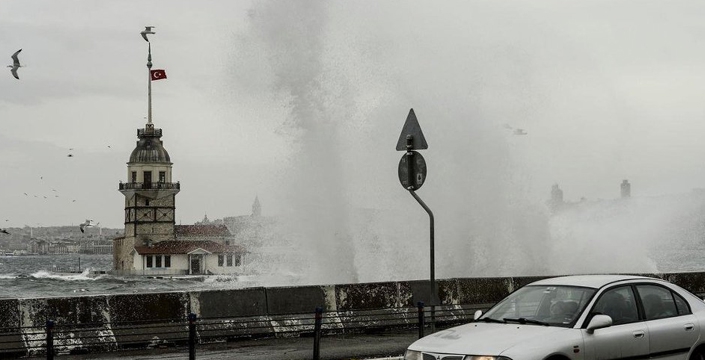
[153,132]
[149,186]
[55,338]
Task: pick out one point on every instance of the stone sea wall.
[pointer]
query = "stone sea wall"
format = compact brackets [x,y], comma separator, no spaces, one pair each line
[109,322]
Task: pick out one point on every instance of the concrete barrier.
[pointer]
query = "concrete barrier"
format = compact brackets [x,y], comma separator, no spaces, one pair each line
[104,323]
[148,320]
[291,310]
[230,314]
[11,342]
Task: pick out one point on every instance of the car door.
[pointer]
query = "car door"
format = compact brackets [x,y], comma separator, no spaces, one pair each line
[628,337]
[673,329]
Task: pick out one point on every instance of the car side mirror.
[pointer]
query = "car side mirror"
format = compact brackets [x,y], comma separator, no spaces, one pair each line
[477,315]
[599,321]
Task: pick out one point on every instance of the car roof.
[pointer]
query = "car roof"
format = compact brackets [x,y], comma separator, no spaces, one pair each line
[592,281]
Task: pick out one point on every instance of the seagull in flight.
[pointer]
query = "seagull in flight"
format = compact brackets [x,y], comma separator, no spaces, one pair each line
[147,30]
[85,224]
[4,231]
[15,64]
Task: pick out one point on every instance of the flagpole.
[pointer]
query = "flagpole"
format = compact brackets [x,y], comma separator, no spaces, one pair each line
[149,84]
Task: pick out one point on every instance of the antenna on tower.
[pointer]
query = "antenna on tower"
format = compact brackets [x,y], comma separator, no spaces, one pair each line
[148,31]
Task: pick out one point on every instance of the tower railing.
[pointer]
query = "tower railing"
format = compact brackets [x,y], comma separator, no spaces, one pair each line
[150,132]
[149,186]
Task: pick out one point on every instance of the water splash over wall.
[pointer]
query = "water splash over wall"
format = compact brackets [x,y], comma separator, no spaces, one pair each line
[341,214]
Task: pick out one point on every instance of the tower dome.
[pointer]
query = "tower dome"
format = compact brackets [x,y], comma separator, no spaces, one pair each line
[150,148]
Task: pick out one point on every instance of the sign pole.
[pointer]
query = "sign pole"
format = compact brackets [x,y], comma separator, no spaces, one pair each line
[433,262]
[412,175]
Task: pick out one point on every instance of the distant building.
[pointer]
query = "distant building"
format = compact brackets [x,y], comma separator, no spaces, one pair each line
[626,188]
[249,230]
[556,201]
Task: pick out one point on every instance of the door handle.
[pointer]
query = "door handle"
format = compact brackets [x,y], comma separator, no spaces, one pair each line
[638,334]
[689,327]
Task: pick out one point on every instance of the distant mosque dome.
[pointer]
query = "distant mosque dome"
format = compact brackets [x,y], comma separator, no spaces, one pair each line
[149,148]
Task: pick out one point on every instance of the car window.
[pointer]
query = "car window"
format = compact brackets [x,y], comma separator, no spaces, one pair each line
[619,304]
[658,302]
[555,305]
[681,305]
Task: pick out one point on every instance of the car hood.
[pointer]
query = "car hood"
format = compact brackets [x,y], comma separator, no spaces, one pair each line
[483,338]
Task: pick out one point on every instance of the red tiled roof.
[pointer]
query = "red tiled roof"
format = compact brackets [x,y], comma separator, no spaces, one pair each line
[201,230]
[185,247]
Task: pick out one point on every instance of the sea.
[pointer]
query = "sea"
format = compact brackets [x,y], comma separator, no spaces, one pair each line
[43,276]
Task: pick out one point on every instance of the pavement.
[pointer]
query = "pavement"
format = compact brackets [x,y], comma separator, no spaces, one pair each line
[387,345]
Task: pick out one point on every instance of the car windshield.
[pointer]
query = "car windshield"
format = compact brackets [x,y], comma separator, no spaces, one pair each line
[542,305]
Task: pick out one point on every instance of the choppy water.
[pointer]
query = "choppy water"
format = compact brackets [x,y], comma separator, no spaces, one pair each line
[47,276]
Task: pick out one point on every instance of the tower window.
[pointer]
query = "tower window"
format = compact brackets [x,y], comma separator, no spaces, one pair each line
[147,177]
[162,176]
[134,177]
[146,202]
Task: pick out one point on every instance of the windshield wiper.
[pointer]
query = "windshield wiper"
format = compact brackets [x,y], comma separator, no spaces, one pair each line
[488,319]
[527,321]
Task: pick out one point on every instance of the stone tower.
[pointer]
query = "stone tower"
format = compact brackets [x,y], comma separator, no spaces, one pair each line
[150,194]
[150,197]
[626,189]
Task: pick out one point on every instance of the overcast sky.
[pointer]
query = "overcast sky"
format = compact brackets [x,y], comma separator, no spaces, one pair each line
[301,103]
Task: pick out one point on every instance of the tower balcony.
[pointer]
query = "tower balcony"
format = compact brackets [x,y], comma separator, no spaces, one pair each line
[149,132]
[151,190]
[150,186]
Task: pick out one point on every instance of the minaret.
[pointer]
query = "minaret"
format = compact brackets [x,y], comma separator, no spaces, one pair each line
[256,208]
[150,193]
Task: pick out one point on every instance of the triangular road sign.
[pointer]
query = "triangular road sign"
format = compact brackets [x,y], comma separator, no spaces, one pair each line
[412,127]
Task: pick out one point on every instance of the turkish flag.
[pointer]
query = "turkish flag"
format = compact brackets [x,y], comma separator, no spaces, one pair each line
[158,74]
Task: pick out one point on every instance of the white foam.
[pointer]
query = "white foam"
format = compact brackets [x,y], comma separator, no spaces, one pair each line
[85,275]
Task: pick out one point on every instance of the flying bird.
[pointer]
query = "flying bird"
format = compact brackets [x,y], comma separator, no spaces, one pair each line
[15,64]
[147,30]
[85,224]
[4,231]
[69,155]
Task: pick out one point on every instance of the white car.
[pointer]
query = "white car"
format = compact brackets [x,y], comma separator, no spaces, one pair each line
[582,317]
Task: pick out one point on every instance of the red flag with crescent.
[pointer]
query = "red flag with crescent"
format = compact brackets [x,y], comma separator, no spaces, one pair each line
[158,74]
